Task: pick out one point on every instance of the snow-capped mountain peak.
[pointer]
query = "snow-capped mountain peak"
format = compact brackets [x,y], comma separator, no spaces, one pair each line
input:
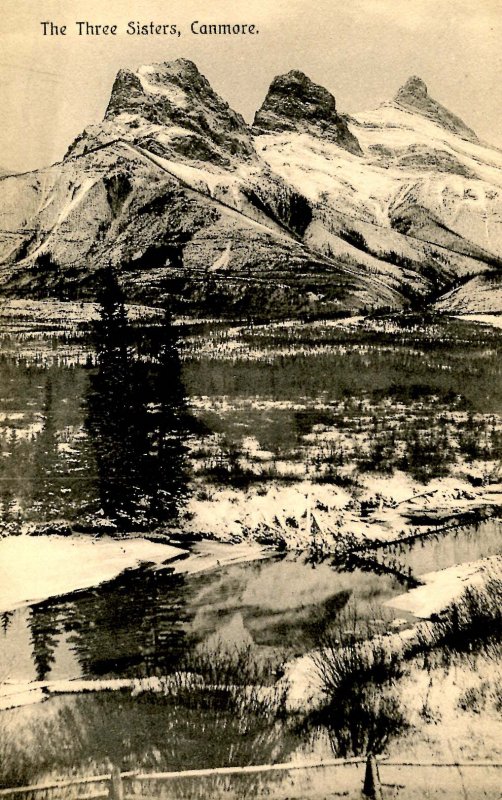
[414,96]
[171,109]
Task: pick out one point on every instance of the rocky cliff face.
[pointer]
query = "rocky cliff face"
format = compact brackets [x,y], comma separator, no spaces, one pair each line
[295,103]
[172,108]
[414,96]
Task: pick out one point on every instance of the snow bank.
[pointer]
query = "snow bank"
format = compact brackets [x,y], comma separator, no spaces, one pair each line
[495,320]
[208,555]
[442,588]
[35,568]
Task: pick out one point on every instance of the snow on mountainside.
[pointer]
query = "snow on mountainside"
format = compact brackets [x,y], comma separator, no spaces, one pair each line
[383,208]
[414,96]
[121,205]
[414,176]
[456,182]
[481,294]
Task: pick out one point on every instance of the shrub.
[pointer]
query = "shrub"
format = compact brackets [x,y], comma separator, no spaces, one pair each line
[226,679]
[361,709]
[473,624]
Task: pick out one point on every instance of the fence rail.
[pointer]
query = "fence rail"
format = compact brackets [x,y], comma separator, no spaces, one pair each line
[114,781]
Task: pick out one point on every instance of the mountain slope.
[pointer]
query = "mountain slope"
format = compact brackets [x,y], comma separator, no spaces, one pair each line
[455,182]
[118,206]
[481,294]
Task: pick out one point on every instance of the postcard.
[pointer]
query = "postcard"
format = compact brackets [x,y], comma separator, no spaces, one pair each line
[251,399]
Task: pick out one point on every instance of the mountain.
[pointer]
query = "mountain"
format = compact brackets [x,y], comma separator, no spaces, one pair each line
[414,96]
[294,103]
[306,211]
[173,106]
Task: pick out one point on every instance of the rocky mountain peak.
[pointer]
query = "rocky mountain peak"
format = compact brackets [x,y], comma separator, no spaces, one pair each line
[414,89]
[414,96]
[181,73]
[175,83]
[295,103]
[176,95]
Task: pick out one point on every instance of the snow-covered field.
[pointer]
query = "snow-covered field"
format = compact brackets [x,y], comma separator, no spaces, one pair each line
[293,512]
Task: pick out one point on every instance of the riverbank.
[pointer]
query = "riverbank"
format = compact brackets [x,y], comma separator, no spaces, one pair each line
[35,568]
[303,514]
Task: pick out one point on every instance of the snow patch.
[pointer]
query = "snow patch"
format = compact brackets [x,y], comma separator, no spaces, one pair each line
[79,195]
[223,261]
[442,588]
[495,320]
[149,78]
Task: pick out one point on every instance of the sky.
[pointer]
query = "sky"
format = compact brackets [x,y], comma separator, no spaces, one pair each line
[361,50]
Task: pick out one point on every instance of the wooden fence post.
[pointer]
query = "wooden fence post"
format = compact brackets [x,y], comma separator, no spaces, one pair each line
[371,787]
[116,786]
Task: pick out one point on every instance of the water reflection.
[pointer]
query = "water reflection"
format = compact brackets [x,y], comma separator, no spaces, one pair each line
[45,632]
[144,622]
[147,622]
[134,626]
[440,550]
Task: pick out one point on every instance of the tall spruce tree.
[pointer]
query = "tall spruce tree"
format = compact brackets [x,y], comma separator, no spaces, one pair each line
[114,406]
[137,417]
[169,485]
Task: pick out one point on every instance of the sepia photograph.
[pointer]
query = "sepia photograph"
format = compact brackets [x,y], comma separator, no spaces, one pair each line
[251,400]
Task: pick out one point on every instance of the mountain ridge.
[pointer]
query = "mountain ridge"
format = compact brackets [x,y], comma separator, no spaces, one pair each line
[344,213]
[414,95]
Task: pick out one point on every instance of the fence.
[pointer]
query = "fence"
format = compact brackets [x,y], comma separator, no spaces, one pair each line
[368,777]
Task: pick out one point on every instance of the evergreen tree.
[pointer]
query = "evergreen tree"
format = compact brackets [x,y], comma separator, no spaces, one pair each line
[169,483]
[137,417]
[46,484]
[114,409]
